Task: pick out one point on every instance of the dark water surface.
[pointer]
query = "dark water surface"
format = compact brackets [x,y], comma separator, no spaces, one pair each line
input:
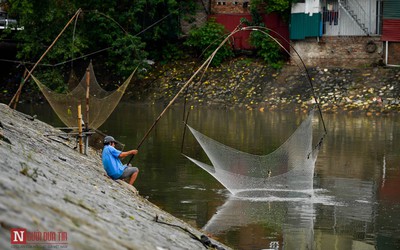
[356,198]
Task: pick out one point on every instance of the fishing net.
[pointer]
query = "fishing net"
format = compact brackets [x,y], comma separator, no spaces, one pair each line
[101,102]
[288,168]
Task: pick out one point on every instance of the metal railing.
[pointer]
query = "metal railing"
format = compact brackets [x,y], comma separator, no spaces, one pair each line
[355,10]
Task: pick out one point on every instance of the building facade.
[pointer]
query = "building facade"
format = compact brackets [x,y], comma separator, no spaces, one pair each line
[230,12]
[336,32]
[391,32]
[325,33]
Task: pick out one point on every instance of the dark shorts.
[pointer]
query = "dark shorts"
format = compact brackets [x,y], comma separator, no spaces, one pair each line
[128,172]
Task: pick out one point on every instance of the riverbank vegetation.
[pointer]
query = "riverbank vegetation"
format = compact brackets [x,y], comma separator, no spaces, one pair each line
[118,36]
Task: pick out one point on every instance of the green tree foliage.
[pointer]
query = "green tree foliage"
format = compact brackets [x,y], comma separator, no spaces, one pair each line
[266,47]
[207,38]
[120,34]
[281,6]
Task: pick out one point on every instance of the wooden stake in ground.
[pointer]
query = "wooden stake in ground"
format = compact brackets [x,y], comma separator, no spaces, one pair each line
[87,110]
[87,99]
[80,128]
[19,93]
[40,59]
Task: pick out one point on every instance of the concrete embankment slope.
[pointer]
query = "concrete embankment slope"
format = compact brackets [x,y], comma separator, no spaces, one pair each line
[46,186]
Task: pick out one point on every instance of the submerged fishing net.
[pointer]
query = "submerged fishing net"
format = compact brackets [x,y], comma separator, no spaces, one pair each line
[288,168]
[101,103]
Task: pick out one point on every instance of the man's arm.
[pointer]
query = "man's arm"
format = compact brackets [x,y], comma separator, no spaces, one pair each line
[126,153]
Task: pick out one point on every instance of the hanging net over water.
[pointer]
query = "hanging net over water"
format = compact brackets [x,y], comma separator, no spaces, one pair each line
[288,168]
[101,103]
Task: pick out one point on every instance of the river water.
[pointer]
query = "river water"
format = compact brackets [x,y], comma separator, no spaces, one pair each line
[356,198]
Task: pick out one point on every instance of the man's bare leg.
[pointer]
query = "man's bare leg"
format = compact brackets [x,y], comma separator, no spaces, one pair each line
[133,178]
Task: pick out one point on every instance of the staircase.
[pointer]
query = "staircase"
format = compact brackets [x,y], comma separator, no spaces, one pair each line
[356,12]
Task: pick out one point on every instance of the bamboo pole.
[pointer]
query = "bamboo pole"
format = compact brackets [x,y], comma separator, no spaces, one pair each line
[87,98]
[19,93]
[87,110]
[80,129]
[40,59]
[205,64]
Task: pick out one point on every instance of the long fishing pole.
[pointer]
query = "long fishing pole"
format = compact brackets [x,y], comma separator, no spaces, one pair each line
[47,50]
[206,62]
[261,29]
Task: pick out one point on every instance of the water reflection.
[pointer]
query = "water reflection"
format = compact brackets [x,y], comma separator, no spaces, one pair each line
[273,222]
[345,208]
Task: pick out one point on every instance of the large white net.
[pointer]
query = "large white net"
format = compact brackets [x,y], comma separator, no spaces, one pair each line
[288,168]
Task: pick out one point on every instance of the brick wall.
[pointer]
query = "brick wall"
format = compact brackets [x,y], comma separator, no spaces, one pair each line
[334,51]
[230,6]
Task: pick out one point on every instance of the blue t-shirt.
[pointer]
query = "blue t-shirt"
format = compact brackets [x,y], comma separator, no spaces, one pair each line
[112,164]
